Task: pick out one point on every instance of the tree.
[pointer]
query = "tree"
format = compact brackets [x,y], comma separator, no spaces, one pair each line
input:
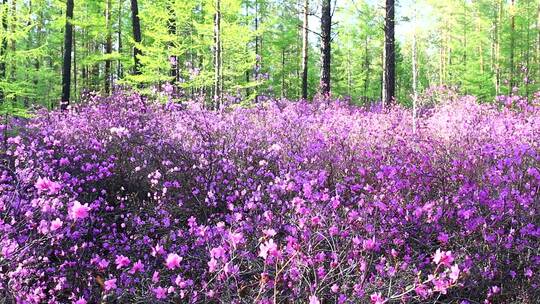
[326,52]
[136,24]
[511,83]
[217,56]
[68,45]
[108,47]
[3,47]
[305,49]
[389,76]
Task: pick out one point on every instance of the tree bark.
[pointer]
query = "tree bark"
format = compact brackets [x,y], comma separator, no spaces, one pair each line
[414,72]
[389,55]
[119,73]
[305,48]
[512,44]
[108,47]
[3,49]
[172,31]
[326,52]
[136,23]
[217,55]
[68,44]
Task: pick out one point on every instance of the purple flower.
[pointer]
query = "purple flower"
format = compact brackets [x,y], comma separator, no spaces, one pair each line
[173,260]
[121,261]
[110,284]
[45,185]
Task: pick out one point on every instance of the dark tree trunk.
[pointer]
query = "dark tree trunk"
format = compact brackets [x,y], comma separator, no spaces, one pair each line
[136,23]
[326,53]
[119,63]
[512,44]
[305,48]
[217,56]
[172,31]
[3,49]
[108,47]
[68,44]
[389,55]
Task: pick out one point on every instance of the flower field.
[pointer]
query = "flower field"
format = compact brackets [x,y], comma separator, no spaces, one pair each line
[122,200]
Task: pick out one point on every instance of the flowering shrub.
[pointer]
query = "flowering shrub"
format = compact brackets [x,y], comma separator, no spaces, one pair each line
[123,200]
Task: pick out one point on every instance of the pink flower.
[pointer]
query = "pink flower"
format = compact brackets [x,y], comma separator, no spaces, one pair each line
[443,238]
[121,261]
[212,265]
[269,232]
[158,250]
[79,211]
[441,285]
[46,185]
[314,300]
[377,298]
[443,257]
[80,301]
[268,248]
[160,292]
[422,291]
[155,277]
[56,224]
[369,244]
[454,273]
[236,238]
[137,267]
[173,260]
[110,284]
[217,252]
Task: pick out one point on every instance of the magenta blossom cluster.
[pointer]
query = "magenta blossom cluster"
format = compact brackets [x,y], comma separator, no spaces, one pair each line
[122,200]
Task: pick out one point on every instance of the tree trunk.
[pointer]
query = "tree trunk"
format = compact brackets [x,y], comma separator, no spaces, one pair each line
[68,44]
[305,48]
[136,23]
[512,44]
[389,55]
[326,31]
[172,31]
[119,73]
[108,47]
[414,72]
[3,49]
[217,55]
[283,73]
[498,48]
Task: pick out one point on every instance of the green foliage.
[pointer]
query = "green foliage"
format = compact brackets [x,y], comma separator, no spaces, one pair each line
[461,43]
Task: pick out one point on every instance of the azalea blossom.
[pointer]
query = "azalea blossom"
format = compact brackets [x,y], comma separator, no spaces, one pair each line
[45,185]
[80,301]
[269,248]
[56,224]
[110,284]
[173,260]
[236,238]
[160,292]
[212,265]
[121,261]
[377,298]
[79,211]
[443,257]
[137,267]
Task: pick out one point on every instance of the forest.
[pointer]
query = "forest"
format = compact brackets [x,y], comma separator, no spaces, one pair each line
[270,151]
[243,49]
